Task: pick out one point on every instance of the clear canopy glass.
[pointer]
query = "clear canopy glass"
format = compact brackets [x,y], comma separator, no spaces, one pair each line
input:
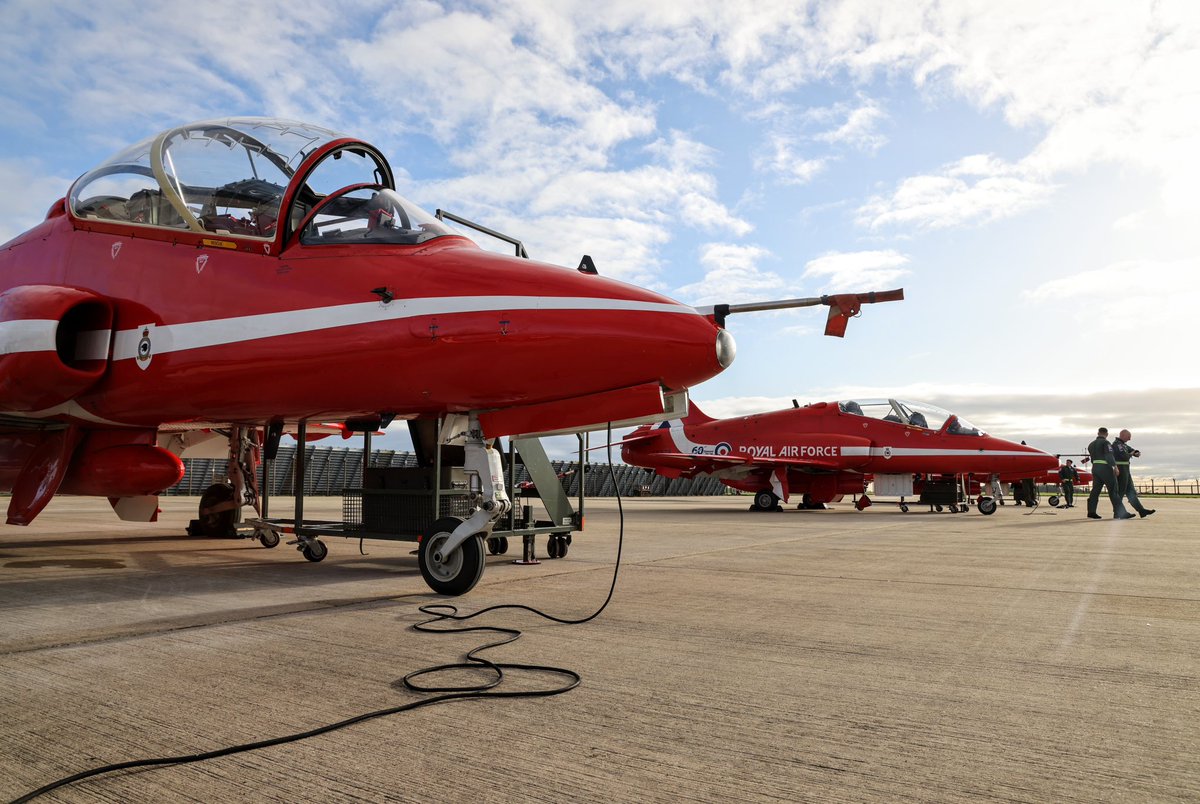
[229,177]
[916,414]
[370,214]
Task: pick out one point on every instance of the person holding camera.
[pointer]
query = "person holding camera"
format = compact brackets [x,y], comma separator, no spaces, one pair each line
[1122,452]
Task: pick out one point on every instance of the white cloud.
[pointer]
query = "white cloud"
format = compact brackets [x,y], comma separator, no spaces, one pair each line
[621,217]
[856,271]
[791,150]
[859,129]
[1108,86]
[784,161]
[733,276]
[16,212]
[1128,296]
[975,189]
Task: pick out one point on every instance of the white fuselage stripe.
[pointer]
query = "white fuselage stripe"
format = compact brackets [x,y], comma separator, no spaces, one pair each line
[906,452]
[27,335]
[222,331]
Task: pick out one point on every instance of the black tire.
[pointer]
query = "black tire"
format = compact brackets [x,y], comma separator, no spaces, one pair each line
[904,507]
[315,550]
[987,506]
[457,573]
[503,545]
[562,543]
[268,538]
[937,508]
[553,547]
[215,524]
[1053,500]
[765,501]
[493,545]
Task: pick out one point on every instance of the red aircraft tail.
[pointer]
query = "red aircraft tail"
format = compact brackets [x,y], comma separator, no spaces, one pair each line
[696,416]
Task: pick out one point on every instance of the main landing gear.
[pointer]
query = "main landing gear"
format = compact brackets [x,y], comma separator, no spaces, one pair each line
[218,514]
[766,501]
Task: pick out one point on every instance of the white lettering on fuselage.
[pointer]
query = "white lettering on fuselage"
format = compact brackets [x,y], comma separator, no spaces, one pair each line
[789,451]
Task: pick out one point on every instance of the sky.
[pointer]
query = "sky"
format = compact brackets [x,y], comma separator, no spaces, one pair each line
[1028,172]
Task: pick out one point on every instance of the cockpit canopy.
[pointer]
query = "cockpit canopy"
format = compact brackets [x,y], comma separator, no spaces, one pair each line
[915,414]
[230,177]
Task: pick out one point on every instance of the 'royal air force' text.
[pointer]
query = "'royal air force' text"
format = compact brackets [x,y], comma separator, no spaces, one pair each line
[786,451]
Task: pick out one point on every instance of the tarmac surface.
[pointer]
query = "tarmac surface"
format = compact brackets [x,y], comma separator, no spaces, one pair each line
[799,656]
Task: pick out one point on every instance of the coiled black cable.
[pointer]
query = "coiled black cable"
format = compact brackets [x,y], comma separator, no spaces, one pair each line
[440,612]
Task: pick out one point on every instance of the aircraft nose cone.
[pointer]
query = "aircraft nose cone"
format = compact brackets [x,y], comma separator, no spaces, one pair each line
[726,348]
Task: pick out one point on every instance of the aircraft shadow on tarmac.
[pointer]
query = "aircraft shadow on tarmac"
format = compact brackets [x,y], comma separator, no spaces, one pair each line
[230,568]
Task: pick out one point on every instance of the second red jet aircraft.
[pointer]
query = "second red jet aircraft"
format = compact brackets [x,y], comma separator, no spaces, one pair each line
[828,449]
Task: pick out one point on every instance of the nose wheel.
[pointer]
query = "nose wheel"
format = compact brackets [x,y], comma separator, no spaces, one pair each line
[457,572]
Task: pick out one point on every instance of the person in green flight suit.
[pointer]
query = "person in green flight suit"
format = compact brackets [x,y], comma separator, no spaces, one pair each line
[1125,488]
[1068,476]
[1104,473]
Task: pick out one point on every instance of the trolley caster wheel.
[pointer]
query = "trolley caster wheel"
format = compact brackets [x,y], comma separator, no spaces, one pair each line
[1053,500]
[493,545]
[552,547]
[904,508]
[937,508]
[456,573]
[564,543]
[987,506]
[503,545]
[314,550]
[268,538]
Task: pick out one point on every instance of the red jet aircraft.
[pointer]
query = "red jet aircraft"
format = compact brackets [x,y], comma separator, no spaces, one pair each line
[828,449]
[250,275]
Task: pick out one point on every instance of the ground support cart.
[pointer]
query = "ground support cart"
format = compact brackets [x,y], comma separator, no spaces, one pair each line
[426,504]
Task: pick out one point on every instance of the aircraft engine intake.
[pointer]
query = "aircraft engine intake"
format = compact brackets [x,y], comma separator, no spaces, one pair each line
[54,344]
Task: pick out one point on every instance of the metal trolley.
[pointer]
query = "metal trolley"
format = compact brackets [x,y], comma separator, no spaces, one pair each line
[420,503]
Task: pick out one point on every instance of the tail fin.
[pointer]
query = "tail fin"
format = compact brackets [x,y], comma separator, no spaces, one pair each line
[696,416]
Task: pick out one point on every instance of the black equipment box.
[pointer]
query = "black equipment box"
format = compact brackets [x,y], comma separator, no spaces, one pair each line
[940,492]
[398,500]
[412,478]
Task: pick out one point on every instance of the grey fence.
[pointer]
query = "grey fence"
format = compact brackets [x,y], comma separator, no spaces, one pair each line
[331,469]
